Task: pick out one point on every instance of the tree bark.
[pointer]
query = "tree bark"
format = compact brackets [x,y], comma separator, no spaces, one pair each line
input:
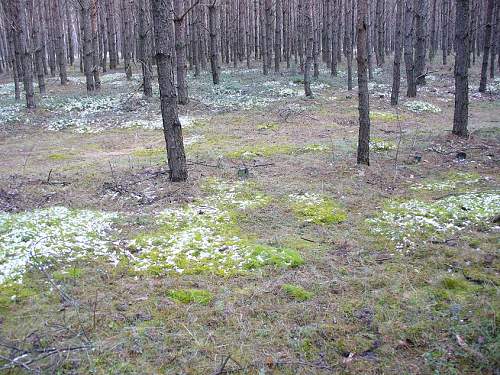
[180,52]
[487,45]
[163,28]
[420,33]
[408,50]
[364,98]
[308,29]
[461,114]
[145,47]
[396,75]
[214,53]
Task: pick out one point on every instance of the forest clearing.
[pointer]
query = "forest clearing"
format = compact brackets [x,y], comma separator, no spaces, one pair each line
[308,216]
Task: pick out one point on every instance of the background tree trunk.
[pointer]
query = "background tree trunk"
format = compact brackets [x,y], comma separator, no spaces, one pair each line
[364,98]
[461,114]
[487,45]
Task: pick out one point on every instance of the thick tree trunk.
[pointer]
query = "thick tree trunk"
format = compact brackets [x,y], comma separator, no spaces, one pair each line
[59,39]
[461,115]
[163,28]
[364,98]
[487,45]
[396,75]
[308,29]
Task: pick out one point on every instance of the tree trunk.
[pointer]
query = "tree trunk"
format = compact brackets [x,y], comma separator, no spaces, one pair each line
[444,23]
[25,51]
[408,50]
[348,42]
[461,114]
[38,47]
[214,53]
[364,98]
[163,28]
[396,75]
[308,29]
[111,27]
[87,43]
[95,45]
[180,52]
[277,37]
[487,45]
[145,47]
[420,33]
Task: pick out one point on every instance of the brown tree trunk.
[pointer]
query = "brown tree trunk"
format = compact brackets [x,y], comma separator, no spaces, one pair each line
[163,29]
[277,37]
[214,53]
[364,98]
[87,43]
[408,50]
[180,52]
[348,42]
[461,115]
[145,47]
[308,30]
[420,34]
[396,75]
[487,45]
[111,27]
[95,45]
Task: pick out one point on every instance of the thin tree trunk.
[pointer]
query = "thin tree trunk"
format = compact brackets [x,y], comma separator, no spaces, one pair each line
[25,51]
[163,27]
[277,37]
[487,45]
[180,52]
[396,75]
[364,98]
[214,53]
[95,45]
[37,40]
[461,114]
[348,42]
[145,47]
[420,34]
[308,28]
[408,50]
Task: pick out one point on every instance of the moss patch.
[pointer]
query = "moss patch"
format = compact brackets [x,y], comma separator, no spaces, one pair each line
[384,116]
[297,292]
[202,297]
[204,236]
[451,181]
[407,223]
[316,209]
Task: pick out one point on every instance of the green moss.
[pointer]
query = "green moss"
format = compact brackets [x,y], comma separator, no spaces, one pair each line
[316,209]
[452,283]
[449,181]
[297,292]
[70,273]
[12,293]
[59,156]
[202,297]
[204,237]
[384,116]
[268,126]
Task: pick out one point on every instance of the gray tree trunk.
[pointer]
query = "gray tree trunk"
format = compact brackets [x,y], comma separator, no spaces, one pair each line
[487,45]
[396,74]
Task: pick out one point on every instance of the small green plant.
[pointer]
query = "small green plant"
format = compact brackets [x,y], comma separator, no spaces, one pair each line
[149,152]
[202,297]
[297,292]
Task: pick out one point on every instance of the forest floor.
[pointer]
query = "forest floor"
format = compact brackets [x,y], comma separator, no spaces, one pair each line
[278,255]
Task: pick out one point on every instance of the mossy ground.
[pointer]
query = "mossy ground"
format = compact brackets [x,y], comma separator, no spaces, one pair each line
[434,309]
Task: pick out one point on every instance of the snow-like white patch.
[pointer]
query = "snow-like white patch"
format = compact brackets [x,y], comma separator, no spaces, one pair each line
[459,179]
[408,223]
[418,106]
[56,233]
